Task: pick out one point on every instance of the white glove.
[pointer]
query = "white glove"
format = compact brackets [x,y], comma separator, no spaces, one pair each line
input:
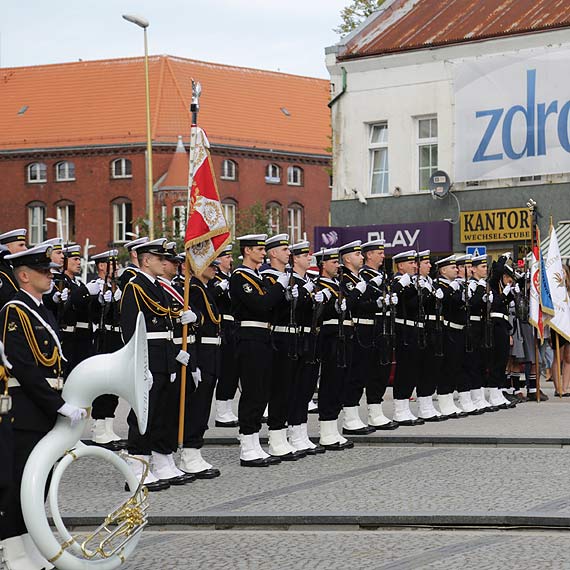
[507,254]
[319,297]
[65,294]
[4,358]
[183,357]
[507,290]
[482,282]
[340,307]
[197,377]
[512,305]
[74,413]
[439,294]
[118,294]
[455,285]
[173,377]
[93,287]
[360,286]
[56,297]
[309,286]
[149,379]
[283,280]
[105,298]
[224,285]
[327,293]
[379,302]
[295,291]
[517,288]
[377,280]
[405,280]
[188,317]
[472,286]
[394,300]
[490,297]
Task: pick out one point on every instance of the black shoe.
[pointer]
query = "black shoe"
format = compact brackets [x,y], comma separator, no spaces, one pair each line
[288,457]
[520,397]
[417,422]
[260,462]
[178,480]
[300,453]
[273,460]
[207,474]
[434,419]
[476,413]
[152,487]
[542,397]
[360,431]
[338,446]
[492,409]
[315,450]
[227,424]
[390,425]
[511,397]
[189,477]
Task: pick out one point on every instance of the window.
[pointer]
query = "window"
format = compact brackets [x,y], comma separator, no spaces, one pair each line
[378,146]
[37,172]
[295,222]
[427,151]
[163,214]
[121,168]
[272,174]
[122,220]
[37,227]
[295,176]
[64,171]
[179,221]
[229,209]
[229,170]
[535,178]
[273,218]
[66,213]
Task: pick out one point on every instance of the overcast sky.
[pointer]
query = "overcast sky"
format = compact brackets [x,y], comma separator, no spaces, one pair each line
[284,35]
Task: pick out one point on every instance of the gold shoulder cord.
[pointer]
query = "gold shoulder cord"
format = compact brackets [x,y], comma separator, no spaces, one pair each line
[331,289]
[253,282]
[213,318]
[151,305]
[8,277]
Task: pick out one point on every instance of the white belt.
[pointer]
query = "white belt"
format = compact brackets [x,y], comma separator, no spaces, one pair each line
[363,321]
[73,328]
[433,318]
[68,329]
[499,316]
[475,319]
[211,340]
[82,325]
[109,328]
[159,335]
[228,318]
[335,322]
[409,323]
[382,314]
[282,329]
[255,324]
[453,325]
[55,383]
[178,340]
[308,329]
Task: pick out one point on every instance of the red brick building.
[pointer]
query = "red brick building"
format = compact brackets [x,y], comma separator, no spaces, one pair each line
[73,145]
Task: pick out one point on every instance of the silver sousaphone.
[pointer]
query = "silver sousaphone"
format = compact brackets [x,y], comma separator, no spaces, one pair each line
[123,373]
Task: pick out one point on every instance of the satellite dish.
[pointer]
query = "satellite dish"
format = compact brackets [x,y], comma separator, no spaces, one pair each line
[439,184]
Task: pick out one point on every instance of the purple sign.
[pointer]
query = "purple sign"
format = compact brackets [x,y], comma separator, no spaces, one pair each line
[435,236]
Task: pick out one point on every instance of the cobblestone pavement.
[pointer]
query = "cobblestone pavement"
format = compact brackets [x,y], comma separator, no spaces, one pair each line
[357,550]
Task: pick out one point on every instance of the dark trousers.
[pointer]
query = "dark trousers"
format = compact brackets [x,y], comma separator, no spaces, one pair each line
[159,429]
[499,355]
[333,377]
[408,362]
[229,377]
[474,365]
[282,380]
[12,521]
[254,359]
[198,404]
[104,406]
[306,378]
[432,363]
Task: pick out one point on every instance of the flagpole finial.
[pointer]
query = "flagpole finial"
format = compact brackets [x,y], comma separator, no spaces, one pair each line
[196,92]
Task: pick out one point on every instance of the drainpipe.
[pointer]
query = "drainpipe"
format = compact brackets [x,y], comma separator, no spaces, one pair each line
[343,91]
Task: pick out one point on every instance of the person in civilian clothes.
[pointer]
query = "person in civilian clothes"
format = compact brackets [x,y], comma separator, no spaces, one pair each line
[252,304]
[33,348]
[228,380]
[145,294]
[11,242]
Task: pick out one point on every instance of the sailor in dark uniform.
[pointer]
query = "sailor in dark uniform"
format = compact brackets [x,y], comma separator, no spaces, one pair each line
[132,266]
[145,294]
[55,299]
[228,380]
[11,242]
[252,304]
[36,379]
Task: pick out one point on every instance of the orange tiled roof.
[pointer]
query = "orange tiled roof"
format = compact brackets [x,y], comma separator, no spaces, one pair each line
[103,102]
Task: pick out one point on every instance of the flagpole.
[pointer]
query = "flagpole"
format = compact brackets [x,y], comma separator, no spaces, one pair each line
[558,367]
[194,108]
[534,242]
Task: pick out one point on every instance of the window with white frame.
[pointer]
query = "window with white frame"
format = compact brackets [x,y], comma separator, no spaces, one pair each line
[64,171]
[163,214]
[229,170]
[66,214]
[122,220]
[273,218]
[378,145]
[121,168]
[295,222]
[295,176]
[179,221]
[37,226]
[229,208]
[37,172]
[273,174]
[427,151]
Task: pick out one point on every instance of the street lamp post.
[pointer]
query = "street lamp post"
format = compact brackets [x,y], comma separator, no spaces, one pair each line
[142,23]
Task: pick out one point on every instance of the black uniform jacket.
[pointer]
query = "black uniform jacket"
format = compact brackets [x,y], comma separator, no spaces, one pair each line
[129,273]
[9,286]
[140,294]
[453,302]
[34,356]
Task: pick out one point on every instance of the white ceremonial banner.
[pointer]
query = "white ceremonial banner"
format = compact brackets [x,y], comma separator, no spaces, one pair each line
[512,115]
[560,322]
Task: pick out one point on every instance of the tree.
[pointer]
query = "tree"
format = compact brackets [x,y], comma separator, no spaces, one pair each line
[355,13]
[252,220]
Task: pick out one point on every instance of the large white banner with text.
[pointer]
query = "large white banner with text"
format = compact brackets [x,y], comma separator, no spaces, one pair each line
[512,115]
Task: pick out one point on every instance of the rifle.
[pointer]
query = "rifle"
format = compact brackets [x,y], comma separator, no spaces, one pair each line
[467,301]
[488,331]
[317,312]
[385,358]
[438,323]
[292,326]
[341,346]
[521,300]
[421,320]
[105,308]
[60,288]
